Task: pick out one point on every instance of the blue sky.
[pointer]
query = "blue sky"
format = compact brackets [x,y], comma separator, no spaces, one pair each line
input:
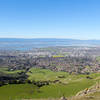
[76,19]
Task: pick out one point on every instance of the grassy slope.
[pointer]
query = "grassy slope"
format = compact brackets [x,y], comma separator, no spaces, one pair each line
[5,71]
[44,74]
[72,85]
[12,92]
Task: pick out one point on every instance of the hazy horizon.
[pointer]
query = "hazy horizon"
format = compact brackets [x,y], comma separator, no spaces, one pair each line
[46,38]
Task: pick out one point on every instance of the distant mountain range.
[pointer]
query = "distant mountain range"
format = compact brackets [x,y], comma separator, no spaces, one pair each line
[27,44]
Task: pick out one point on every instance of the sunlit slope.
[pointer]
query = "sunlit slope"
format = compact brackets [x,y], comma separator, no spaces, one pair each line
[68,85]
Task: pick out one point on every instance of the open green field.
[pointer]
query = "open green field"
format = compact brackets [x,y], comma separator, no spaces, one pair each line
[6,71]
[64,77]
[45,74]
[12,92]
[69,85]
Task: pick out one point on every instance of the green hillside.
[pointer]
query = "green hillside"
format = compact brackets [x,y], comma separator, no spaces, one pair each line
[69,85]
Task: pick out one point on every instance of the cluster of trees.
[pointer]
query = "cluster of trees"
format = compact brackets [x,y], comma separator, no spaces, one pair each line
[12,78]
[19,79]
